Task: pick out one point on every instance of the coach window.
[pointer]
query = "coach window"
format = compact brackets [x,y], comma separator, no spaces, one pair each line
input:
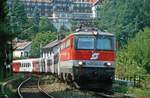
[22,65]
[27,64]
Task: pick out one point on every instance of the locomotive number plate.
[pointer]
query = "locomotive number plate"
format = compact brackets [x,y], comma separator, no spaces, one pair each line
[92,63]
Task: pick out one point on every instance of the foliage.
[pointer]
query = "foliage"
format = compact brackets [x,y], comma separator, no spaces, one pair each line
[45,25]
[74,25]
[36,16]
[36,26]
[139,92]
[18,19]
[5,39]
[120,89]
[136,56]
[124,17]
[63,32]
[41,39]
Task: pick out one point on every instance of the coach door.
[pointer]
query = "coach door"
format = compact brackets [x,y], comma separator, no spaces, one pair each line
[36,67]
[42,65]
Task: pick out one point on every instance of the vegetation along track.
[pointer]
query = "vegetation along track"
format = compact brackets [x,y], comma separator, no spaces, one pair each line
[30,88]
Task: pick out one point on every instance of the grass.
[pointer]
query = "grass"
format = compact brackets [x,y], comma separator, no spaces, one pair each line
[10,88]
[139,92]
[72,94]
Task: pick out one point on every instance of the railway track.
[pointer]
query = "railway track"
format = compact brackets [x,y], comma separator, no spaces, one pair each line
[30,88]
[62,90]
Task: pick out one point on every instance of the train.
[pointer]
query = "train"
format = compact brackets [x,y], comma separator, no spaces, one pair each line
[86,57]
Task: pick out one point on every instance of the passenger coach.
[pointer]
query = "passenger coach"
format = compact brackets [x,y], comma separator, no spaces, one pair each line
[36,65]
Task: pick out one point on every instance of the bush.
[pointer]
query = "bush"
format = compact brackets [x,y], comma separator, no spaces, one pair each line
[134,59]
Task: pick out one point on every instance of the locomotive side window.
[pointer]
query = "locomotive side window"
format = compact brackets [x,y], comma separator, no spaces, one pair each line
[67,43]
[62,46]
[85,42]
[105,43]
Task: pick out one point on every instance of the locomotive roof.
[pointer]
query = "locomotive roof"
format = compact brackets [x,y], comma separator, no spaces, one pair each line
[91,33]
[56,42]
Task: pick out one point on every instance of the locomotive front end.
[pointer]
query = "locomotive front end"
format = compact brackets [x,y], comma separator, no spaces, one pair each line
[95,56]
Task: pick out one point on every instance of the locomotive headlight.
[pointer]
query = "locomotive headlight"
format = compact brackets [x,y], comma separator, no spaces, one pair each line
[95,33]
[80,63]
[107,64]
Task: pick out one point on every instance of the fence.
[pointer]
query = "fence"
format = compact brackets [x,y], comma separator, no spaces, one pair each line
[135,81]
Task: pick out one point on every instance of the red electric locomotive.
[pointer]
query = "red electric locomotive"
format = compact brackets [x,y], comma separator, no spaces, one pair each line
[88,58]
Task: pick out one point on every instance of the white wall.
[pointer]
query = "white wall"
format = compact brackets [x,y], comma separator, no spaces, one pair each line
[17,53]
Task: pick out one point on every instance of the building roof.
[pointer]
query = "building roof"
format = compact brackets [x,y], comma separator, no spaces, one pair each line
[94,1]
[46,1]
[86,1]
[97,2]
[51,44]
[21,45]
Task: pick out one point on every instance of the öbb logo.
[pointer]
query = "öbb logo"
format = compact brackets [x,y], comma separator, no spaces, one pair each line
[94,56]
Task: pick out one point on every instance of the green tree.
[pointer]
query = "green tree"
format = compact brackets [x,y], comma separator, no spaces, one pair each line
[36,19]
[41,39]
[45,25]
[74,25]
[5,39]
[63,32]
[18,19]
[124,17]
[136,56]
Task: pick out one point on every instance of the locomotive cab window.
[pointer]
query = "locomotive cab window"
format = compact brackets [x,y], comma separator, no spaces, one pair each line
[105,43]
[85,42]
[101,42]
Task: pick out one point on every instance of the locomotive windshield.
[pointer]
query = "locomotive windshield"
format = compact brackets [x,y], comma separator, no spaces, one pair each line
[85,43]
[98,43]
[105,43]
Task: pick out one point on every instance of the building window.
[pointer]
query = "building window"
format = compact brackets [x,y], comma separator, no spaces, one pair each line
[26,54]
[21,54]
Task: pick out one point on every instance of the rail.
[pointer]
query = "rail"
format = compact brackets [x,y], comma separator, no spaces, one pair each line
[19,87]
[38,88]
[43,90]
